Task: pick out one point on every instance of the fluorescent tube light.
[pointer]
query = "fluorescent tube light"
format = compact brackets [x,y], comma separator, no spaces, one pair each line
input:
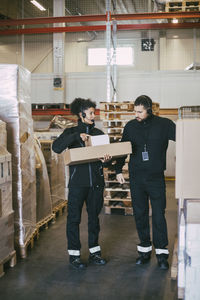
[38,5]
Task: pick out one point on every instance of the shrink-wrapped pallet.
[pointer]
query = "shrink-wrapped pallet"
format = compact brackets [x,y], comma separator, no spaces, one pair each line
[3,134]
[56,170]
[5,183]
[6,235]
[43,194]
[15,110]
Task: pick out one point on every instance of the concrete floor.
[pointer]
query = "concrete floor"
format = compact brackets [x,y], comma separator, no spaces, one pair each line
[45,274]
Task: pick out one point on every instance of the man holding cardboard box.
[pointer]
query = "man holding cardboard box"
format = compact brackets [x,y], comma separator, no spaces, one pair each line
[149,135]
[86,184]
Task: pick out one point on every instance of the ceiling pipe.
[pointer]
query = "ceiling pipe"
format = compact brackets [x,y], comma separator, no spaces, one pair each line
[94,18]
[101,28]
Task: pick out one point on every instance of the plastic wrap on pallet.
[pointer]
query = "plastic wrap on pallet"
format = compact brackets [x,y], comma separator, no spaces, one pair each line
[15,110]
[43,194]
[57,179]
[6,235]
[3,134]
[52,135]
[56,171]
[5,183]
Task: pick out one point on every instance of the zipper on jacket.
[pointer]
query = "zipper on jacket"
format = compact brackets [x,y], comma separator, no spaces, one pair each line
[89,165]
[73,173]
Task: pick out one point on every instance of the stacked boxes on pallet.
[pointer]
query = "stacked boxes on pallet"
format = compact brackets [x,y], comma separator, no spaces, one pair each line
[15,110]
[43,193]
[6,212]
[57,171]
[115,115]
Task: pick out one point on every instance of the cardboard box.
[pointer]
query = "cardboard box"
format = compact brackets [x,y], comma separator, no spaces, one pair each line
[6,235]
[97,140]
[91,154]
[188,159]
[3,134]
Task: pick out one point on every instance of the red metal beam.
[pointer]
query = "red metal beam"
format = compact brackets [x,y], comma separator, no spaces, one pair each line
[100,28]
[95,18]
[52,30]
[56,111]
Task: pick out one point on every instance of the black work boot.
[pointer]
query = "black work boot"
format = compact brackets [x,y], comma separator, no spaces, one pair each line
[76,263]
[162,261]
[143,258]
[96,259]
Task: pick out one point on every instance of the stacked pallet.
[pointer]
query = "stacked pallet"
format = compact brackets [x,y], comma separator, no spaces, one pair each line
[7,252]
[182,6]
[114,116]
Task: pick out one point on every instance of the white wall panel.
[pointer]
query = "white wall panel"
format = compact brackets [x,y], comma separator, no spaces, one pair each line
[170,89]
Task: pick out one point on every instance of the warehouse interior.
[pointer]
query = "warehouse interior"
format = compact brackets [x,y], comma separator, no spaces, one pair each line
[109,51]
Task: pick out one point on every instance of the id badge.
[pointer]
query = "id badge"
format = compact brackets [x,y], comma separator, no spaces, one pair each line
[145,156]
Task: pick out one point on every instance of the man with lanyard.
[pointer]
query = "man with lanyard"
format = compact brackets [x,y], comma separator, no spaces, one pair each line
[149,135]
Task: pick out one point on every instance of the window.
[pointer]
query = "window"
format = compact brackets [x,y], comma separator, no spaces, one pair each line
[98,56]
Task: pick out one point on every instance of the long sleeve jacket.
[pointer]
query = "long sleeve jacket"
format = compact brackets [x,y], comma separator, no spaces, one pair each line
[86,174]
[154,132]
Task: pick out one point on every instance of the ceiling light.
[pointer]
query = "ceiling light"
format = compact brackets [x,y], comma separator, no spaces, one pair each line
[175,21]
[175,36]
[38,5]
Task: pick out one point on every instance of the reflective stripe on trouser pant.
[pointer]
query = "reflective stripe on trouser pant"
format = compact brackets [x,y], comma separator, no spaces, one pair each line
[94,202]
[144,188]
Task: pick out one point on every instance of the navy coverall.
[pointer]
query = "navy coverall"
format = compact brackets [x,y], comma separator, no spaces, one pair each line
[147,178]
[86,184]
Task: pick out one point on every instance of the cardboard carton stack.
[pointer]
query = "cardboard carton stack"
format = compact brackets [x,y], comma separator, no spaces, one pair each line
[57,171]
[6,211]
[3,134]
[15,110]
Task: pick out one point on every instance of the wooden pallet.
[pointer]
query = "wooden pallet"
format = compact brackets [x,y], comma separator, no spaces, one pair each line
[59,209]
[174,265]
[189,5]
[117,193]
[49,106]
[45,222]
[114,123]
[126,211]
[111,175]
[11,258]
[115,183]
[117,202]
[170,178]
[28,244]
[117,106]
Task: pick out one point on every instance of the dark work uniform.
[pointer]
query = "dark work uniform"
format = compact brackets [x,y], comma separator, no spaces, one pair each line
[86,183]
[147,163]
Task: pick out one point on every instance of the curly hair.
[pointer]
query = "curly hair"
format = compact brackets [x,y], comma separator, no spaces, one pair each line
[144,100]
[80,105]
